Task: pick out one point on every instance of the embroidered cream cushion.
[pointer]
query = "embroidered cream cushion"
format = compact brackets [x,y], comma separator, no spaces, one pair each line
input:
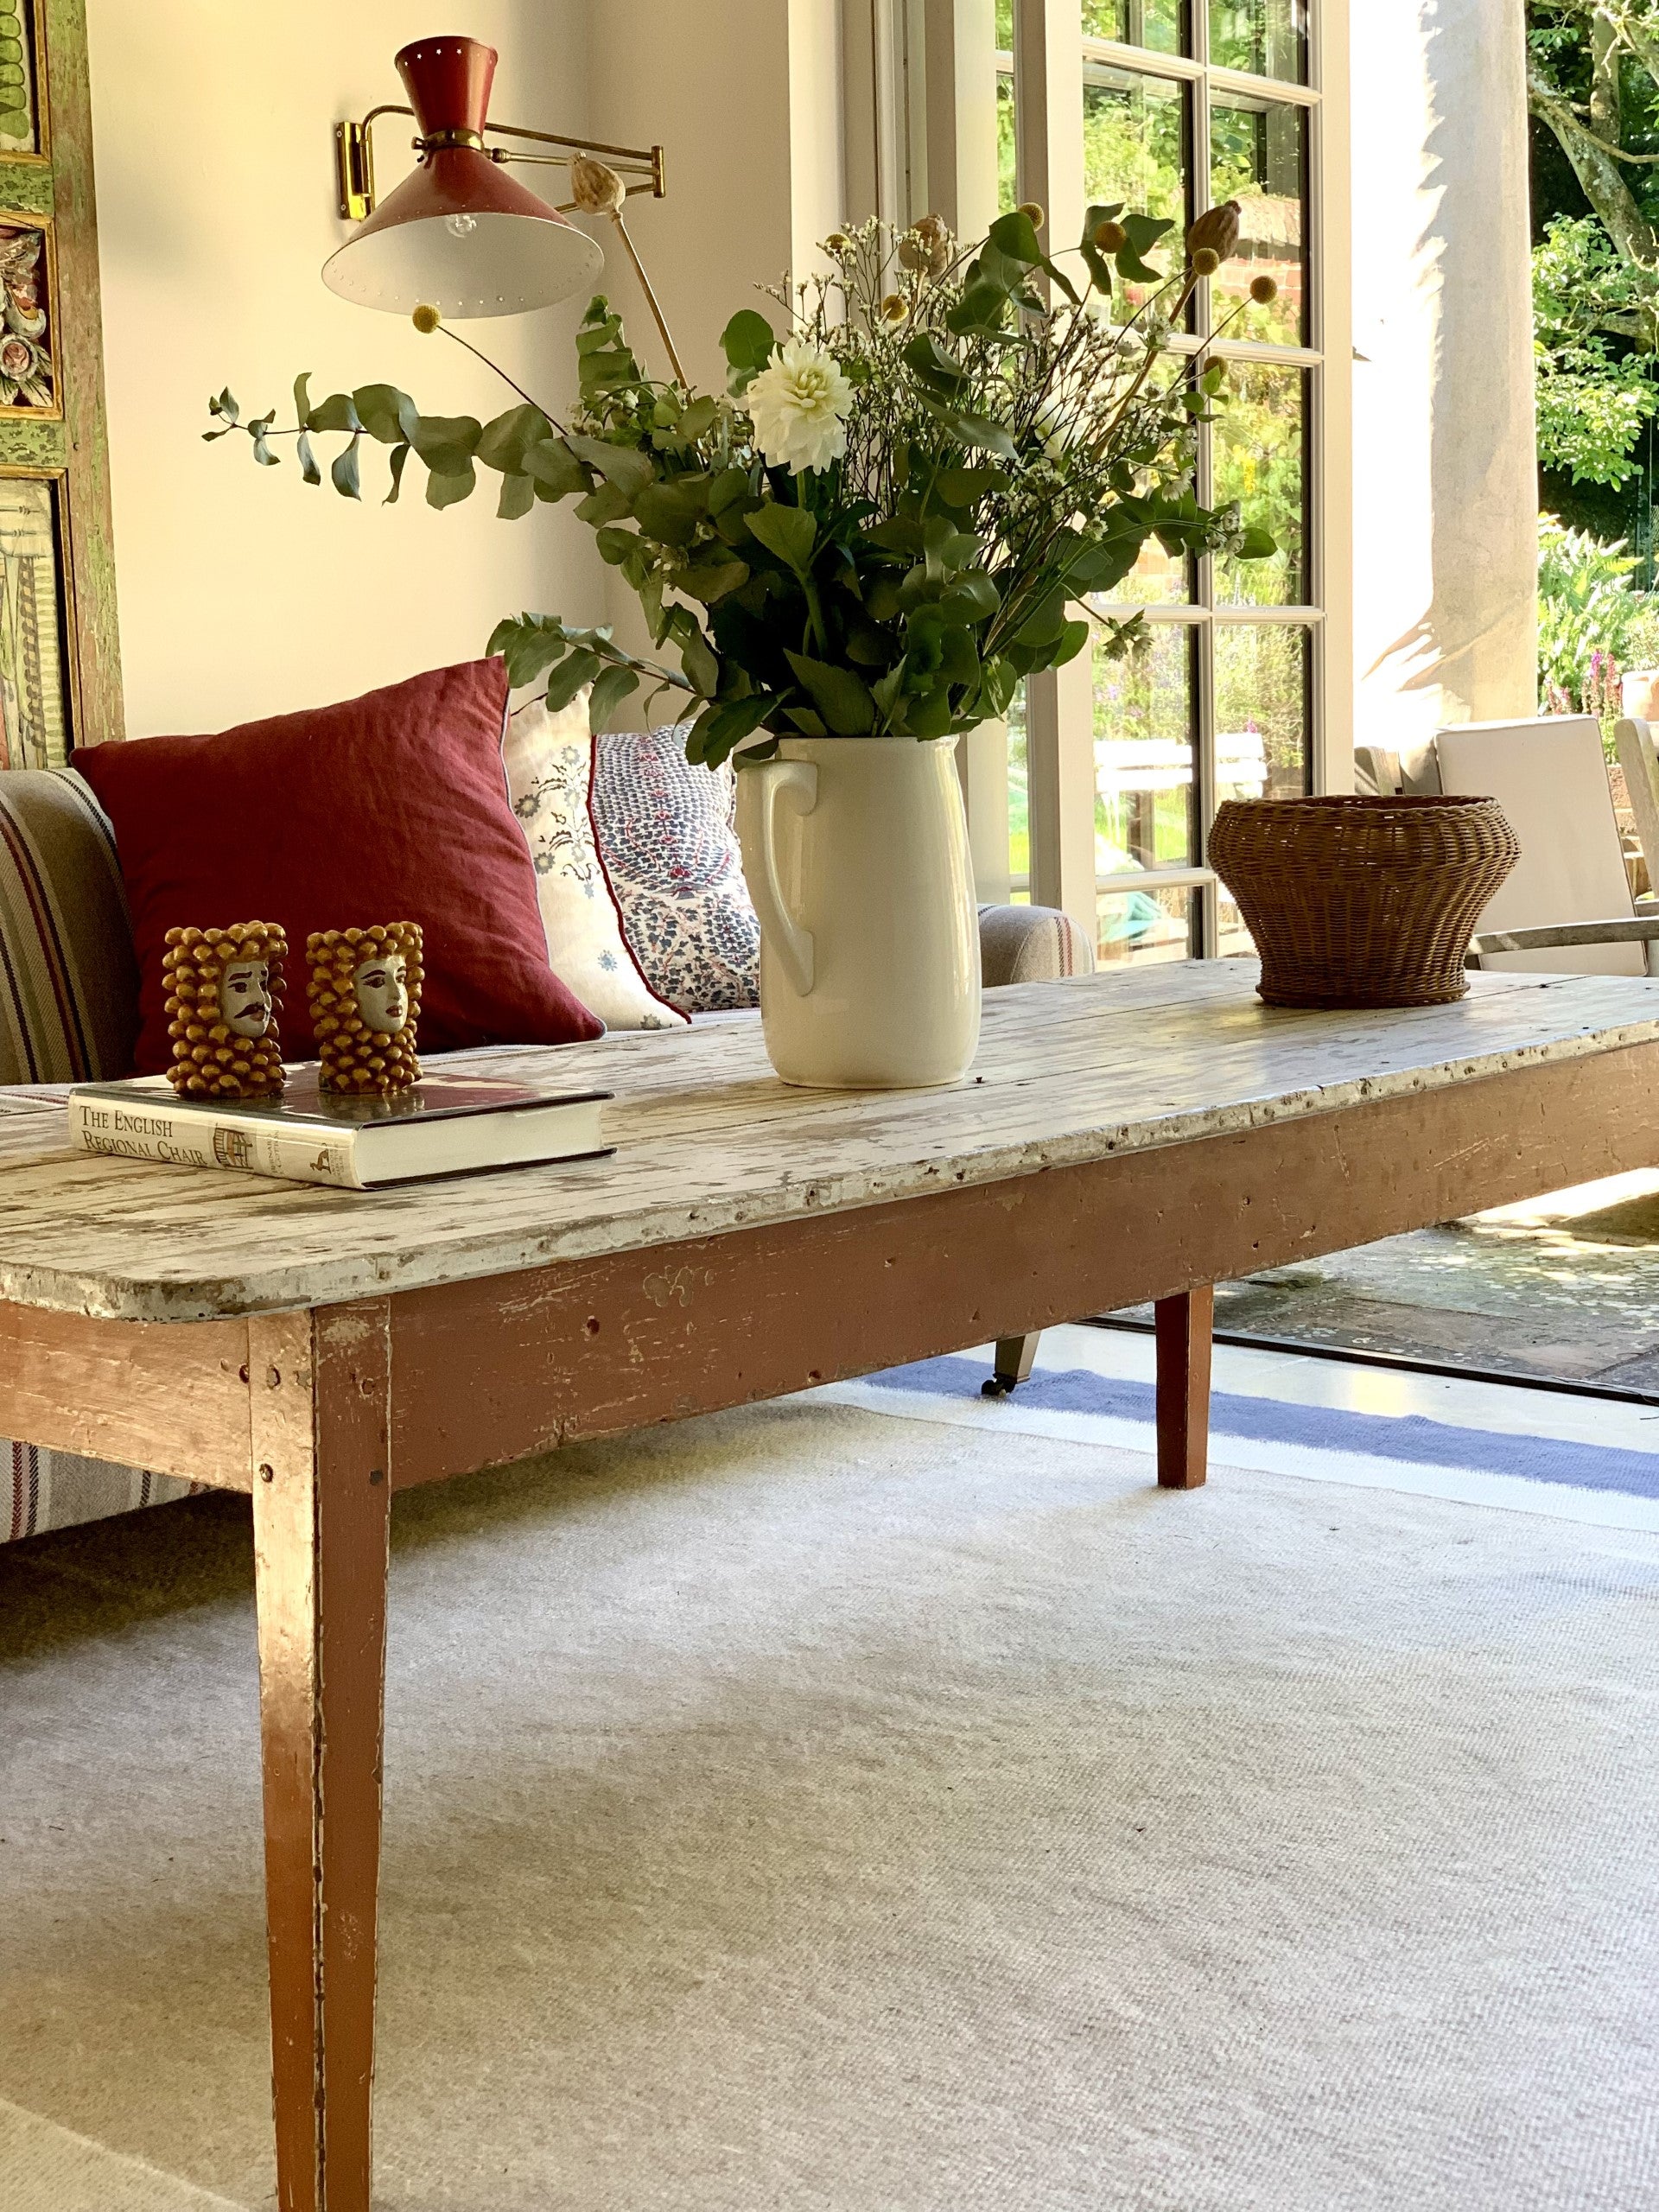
[550,759]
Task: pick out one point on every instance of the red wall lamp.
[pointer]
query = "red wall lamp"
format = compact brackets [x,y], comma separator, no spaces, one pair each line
[461,235]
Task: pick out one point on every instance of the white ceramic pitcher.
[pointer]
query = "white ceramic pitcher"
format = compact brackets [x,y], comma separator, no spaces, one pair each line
[855,849]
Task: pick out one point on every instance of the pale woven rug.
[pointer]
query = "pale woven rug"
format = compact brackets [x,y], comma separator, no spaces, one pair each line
[811,1810]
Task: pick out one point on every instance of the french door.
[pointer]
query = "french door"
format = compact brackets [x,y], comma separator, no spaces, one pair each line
[1099,794]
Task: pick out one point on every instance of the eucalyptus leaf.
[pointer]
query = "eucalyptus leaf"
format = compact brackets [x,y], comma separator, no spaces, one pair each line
[309,470]
[506,439]
[337,412]
[579,666]
[605,503]
[625,466]
[518,497]
[447,443]
[343,472]
[397,459]
[611,686]
[385,413]
[446,488]
[555,468]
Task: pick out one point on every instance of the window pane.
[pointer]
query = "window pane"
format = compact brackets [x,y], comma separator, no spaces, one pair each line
[1008,188]
[1155,23]
[1256,157]
[1019,799]
[1262,680]
[1260,439]
[1266,37]
[1135,142]
[1144,754]
[1144,925]
[1157,579]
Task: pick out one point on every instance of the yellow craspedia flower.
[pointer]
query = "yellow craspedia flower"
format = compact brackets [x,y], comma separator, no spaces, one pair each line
[1263,291]
[426,320]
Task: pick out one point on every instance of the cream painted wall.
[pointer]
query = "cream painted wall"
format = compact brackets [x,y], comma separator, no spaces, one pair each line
[744,96]
[243,592]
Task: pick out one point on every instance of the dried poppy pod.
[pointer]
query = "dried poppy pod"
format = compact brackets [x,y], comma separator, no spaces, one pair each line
[365,999]
[224,994]
[1216,231]
[926,246]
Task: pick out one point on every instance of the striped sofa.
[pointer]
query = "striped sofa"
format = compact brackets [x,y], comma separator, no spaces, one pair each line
[69,1014]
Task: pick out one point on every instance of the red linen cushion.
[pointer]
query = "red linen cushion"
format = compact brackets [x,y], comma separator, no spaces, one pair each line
[390,808]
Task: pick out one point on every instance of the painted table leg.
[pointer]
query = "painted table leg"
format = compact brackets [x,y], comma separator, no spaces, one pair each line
[320,1499]
[1184,1326]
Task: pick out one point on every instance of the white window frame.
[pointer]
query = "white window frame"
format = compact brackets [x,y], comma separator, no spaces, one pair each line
[926,72]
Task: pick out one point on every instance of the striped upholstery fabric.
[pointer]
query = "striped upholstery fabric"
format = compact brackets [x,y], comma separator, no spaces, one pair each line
[68,1014]
[1031,945]
[68,977]
[56,1490]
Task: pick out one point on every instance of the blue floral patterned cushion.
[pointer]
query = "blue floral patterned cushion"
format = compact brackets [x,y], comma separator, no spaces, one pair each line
[666,836]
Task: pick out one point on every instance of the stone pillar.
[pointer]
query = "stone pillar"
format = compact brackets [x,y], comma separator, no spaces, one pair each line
[1445,492]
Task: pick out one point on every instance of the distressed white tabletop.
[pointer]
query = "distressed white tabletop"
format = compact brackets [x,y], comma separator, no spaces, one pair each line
[707,1139]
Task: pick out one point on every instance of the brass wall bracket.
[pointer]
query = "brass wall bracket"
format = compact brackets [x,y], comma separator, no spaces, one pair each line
[354,157]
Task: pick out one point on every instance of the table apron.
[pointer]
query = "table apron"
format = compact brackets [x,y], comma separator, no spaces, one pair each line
[485,1372]
[488,1371]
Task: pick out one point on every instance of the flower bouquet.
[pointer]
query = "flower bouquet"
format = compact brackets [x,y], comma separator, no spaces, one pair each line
[904,501]
[898,507]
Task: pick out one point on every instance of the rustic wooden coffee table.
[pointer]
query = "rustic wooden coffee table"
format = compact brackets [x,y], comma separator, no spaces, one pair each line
[1126,1137]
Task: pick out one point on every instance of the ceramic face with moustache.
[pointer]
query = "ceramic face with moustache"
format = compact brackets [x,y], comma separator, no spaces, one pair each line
[245,998]
[380,989]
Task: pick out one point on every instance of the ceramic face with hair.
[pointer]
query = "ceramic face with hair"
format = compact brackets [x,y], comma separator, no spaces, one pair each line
[224,992]
[365,998]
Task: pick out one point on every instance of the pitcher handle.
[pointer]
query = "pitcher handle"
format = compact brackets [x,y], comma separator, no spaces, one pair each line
[794,783]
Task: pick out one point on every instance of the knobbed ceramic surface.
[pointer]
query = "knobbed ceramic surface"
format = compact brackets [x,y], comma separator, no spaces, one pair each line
[856,855]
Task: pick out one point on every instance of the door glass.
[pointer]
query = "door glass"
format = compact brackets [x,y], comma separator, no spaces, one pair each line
[1257,151]
[1019,800]
[1261,690]
[1134,140]
[1155,924]
[1154,24]
[1259,441]
[1144,797]
[1266,37]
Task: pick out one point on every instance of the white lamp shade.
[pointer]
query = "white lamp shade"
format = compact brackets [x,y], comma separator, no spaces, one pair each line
[463,264]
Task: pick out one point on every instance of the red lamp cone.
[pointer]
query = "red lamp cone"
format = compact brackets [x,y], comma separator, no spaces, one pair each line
[459,234]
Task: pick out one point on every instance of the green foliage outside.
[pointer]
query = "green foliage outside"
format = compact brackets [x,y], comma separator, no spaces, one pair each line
[892,515]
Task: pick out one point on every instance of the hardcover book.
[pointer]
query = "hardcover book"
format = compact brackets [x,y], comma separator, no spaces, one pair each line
[446,1125]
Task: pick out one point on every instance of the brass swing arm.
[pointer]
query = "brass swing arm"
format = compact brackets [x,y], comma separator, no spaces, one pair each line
[354,157]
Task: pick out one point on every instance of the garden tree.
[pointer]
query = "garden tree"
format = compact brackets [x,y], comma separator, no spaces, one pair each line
[1592,81]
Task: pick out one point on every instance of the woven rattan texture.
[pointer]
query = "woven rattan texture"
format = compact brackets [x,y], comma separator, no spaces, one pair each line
[1358,902]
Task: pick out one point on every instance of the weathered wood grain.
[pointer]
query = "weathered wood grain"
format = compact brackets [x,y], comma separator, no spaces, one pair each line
[710,1141]
[95,640]
[486,1372]
[173,1401]
[321,1526]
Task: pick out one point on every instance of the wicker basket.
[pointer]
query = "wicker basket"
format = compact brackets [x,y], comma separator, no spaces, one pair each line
[1362,901]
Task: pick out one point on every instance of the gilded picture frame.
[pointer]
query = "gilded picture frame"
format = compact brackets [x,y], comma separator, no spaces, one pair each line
[22,25]
[30,326]
[40,676]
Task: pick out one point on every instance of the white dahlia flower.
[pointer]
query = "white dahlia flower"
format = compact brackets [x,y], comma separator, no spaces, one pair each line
[799,405]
